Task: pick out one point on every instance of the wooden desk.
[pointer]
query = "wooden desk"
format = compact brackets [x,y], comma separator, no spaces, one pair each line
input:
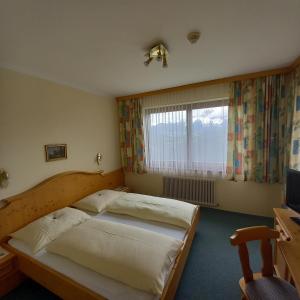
[287,250]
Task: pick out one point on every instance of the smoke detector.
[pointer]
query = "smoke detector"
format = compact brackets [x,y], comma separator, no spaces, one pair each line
[193,37]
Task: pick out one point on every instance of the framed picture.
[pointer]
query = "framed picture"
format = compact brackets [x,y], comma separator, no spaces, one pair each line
[56,151]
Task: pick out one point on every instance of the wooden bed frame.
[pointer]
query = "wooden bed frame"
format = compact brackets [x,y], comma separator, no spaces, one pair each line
[57,192]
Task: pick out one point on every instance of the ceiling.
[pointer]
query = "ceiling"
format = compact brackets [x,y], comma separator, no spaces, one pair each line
[99,46]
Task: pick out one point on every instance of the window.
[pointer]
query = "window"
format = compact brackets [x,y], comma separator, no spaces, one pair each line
[190,139]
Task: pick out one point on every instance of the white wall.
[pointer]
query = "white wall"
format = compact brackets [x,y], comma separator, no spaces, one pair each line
[245,197]
[35,112]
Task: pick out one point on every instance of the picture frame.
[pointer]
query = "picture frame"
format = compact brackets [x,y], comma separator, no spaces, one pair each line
[55,152]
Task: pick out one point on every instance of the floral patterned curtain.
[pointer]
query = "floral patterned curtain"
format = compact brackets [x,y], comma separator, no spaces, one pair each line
[259,129]
[295,151]
[131,136]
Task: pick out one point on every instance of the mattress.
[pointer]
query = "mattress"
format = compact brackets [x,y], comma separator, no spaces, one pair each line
[99,284]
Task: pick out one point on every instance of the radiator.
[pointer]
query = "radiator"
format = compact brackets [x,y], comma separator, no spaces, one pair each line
[198,191]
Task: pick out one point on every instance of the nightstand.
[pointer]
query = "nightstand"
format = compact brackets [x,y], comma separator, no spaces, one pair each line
[10,276]
[122,189]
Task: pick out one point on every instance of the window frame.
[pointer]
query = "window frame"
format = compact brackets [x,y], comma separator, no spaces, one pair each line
[188,107]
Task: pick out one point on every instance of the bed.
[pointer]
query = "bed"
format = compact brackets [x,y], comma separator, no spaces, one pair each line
[63,277]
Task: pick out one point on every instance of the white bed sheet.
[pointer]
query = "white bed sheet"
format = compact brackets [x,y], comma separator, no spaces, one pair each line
[170,230]
[109,288]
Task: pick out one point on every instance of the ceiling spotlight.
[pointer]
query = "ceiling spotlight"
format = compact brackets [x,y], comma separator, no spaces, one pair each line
[159,52]
[165,64]
[193,37]
[148,61]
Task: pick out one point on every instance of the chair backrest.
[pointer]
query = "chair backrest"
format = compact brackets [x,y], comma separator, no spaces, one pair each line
[262,233]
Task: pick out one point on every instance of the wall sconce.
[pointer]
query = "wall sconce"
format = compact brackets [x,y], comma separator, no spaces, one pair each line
[99,158]
[3,178]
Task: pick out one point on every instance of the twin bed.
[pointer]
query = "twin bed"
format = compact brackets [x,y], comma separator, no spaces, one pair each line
[131,224]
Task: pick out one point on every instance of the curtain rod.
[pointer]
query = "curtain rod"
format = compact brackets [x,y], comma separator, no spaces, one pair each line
[282,70]
[220,99]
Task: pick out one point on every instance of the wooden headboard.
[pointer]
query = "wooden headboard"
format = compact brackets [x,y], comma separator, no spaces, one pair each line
[53,193]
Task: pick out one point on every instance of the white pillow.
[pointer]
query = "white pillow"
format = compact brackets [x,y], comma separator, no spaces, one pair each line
[39,233]
[98,201]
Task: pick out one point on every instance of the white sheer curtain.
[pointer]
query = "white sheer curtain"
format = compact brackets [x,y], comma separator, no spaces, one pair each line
[187,139]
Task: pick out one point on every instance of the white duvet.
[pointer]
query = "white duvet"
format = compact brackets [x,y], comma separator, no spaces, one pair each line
[164,210]
[134,256]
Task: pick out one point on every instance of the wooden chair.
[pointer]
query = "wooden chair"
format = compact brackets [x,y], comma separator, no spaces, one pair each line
[261,286]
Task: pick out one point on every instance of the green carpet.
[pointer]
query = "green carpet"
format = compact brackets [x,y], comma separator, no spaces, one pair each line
[212,270]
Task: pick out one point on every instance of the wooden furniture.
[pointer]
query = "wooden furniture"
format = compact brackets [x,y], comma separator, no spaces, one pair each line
[10,276]
[261,285]
[60,191]
[53,193]
[122,189]
[287,250]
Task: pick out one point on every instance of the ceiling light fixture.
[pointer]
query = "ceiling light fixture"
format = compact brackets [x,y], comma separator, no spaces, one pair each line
[160,52]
